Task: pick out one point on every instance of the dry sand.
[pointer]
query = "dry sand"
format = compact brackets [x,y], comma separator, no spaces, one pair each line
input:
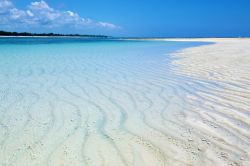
[223,117]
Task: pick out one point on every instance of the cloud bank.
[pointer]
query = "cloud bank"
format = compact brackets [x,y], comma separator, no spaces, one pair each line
[40,15]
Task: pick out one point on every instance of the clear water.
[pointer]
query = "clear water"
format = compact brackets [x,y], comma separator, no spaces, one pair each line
[86,101]
[23,57]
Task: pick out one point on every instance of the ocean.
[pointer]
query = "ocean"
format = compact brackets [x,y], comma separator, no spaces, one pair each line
[75,101]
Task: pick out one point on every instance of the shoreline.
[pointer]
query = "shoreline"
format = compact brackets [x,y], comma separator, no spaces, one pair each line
[53,37]
[223,116]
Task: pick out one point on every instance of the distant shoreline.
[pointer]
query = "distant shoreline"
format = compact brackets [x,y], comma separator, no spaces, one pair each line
[55,37]
[28,34]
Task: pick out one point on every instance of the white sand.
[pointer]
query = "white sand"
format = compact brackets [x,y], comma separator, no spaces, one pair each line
[223,118]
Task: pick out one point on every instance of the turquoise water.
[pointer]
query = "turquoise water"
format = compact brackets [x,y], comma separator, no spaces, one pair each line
[37,56]
[87,101]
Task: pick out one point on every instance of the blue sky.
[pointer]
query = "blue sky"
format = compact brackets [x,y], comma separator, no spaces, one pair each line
[138,18]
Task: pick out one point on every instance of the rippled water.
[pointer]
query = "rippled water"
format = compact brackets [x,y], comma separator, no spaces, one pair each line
[90,102]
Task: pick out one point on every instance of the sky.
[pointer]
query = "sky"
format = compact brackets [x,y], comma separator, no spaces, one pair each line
[129,18]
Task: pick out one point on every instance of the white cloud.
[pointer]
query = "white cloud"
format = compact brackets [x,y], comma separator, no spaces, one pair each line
[29,13]
[5,5]
[17,14]
[107,25]
[40,14]
[42,5]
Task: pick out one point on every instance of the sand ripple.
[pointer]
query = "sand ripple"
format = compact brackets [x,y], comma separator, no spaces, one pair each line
[83,109]
[222,117]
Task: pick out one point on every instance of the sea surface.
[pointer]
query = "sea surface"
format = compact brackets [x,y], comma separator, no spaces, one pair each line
[73,101]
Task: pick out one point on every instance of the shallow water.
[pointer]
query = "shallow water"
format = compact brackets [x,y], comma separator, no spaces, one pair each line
[91,102]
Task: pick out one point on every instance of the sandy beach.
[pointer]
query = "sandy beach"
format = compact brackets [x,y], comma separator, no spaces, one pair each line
[222,116]
[117,105]
[124,83]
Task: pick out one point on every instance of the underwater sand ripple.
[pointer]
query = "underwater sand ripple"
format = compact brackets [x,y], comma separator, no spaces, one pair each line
[84,110]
